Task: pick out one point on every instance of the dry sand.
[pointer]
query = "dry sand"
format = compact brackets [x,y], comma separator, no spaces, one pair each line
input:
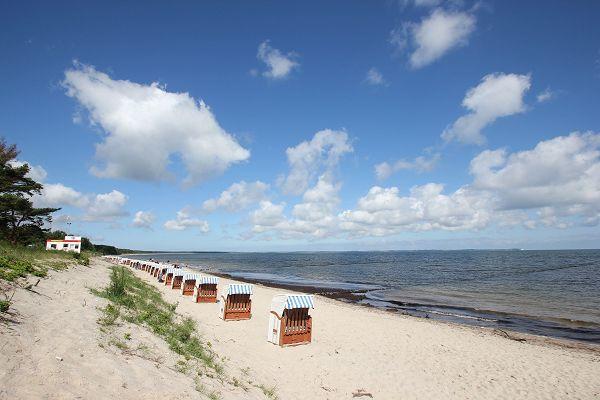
[387,355]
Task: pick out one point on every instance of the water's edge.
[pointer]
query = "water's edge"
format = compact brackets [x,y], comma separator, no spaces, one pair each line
[554,328]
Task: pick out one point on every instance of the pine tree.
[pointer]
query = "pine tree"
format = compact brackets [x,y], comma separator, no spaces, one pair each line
[20,221]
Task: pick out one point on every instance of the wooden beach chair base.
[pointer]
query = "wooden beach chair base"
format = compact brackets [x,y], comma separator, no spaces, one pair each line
[188,287]
[207,293]
[237,307]
[177,282]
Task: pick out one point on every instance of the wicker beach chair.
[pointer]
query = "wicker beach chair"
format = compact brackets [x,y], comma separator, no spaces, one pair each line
[237,305]
[169,276]
[177,279]
[188,284]
[289,321]
[206,289]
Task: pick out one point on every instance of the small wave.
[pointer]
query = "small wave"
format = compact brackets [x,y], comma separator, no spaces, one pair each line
[461,316]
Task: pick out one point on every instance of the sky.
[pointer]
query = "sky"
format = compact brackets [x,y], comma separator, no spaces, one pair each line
[299,126]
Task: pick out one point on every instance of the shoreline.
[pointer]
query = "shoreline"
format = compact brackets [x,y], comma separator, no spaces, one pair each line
[517,326]
[57,341]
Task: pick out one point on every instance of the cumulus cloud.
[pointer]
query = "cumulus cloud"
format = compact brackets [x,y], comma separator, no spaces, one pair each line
[314,217]
[184,221]
[59,195]
[497,95]
[563,171]
[36,172]
[434,36]
[279,65]
[306,159]
[383,211]
[237,197]
[145,125]
[375,78]
[105,207]
[420,164]
[143,219]
[557,184]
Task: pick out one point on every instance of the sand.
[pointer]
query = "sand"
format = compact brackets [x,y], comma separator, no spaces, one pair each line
[354,350]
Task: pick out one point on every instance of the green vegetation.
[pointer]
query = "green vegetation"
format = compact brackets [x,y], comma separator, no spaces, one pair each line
[19,262]
[134,301]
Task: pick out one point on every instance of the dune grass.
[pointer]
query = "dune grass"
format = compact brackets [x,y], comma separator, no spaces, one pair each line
[20,262]
[134,301]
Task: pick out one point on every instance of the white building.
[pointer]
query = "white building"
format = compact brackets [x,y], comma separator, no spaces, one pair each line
[70,243]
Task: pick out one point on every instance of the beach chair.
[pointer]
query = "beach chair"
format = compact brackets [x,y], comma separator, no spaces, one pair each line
[161,273]
[289,321]
[177,279]
[206,289]
[188,284]
[157,270]
[237,305]
[169,276]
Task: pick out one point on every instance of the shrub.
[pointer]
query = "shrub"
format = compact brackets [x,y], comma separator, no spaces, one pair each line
[4,305]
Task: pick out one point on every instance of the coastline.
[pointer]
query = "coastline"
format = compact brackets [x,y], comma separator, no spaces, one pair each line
[525,304]
[354,298]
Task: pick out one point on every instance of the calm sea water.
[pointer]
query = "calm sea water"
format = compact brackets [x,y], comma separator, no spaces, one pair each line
[553,293]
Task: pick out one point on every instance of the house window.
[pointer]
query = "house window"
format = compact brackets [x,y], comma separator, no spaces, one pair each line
[53,246]
[76,246]
[65,246]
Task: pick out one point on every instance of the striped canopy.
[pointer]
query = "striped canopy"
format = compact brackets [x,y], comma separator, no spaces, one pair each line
[187,277]
[239,289]
[177,272]
[299,301]
[211,280]
[170,271]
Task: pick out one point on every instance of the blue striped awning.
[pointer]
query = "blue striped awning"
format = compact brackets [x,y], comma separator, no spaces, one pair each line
[187,277]
[211,280]
[299,301]
[177,272]
[239,289]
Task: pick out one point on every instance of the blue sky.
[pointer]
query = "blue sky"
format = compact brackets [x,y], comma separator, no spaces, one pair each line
[341,125]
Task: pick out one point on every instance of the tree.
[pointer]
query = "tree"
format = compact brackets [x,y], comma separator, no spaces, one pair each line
[20,221]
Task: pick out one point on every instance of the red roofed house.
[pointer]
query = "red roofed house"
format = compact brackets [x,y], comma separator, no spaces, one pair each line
[70,243]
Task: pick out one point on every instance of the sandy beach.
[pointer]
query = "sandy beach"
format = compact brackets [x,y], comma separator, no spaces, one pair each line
[50,350]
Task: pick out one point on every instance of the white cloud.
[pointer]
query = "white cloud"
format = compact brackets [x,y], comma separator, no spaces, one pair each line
[237,197]
[36,172]
[555,184]
[498,95]
[314,217]
[383,211]
[563,171]
[145,126]
[184,221]
[545,96]
[434,36]
[279,65]
[59,195]
[375,78]
[143,219]
[106,206]
[420,164]
[306,159]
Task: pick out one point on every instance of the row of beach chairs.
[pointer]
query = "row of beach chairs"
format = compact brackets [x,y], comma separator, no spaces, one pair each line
[290,322]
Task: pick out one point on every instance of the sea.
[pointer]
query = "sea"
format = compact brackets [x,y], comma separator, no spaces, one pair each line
[550,293]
